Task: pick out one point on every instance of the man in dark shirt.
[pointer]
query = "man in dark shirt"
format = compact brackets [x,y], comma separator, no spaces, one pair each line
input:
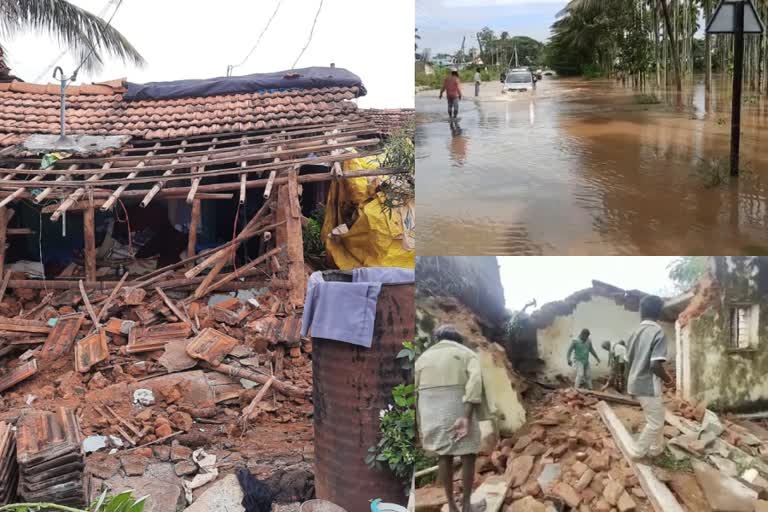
[452,90]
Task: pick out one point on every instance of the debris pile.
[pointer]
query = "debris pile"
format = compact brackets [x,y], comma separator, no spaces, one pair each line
[153,372]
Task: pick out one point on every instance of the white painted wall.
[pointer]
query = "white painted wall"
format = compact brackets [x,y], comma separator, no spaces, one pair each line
[605,319]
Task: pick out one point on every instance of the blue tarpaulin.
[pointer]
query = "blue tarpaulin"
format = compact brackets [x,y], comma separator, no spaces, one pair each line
[305,78]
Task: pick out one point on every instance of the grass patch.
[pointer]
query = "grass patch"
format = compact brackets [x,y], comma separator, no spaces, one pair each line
[647,99]
[667,461]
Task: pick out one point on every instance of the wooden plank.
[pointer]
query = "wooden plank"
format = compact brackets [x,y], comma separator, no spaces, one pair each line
[39,198]
[176,311]
[21,325]
[658,494]
[199,170]
[248,411]
[111,297]
[610,397]
[88,306]
[239,272]
[89,230]
[4,286]
[3,236]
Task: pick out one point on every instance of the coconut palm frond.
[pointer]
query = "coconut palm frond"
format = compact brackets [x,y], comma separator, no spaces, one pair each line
[75,28]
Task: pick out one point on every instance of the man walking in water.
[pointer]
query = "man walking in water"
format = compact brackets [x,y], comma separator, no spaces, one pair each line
[646,353]
[452,90]
[581,348]
[478,79]
[449,404]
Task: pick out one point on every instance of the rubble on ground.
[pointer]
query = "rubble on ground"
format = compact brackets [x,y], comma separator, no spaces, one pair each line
[146,375]
[564,458]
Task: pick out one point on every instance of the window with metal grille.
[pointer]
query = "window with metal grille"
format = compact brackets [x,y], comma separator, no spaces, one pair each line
[744,326]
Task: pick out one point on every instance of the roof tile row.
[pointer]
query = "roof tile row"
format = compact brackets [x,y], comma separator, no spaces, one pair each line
[101,109]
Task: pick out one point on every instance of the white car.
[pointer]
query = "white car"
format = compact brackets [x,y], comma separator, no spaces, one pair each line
[519,79]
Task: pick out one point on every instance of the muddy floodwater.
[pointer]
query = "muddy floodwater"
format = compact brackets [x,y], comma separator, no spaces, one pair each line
[584,167]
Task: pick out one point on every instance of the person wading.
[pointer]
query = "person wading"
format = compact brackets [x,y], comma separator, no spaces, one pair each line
[478,79]
[646,353]
[579,352]
[449,403]
[452,90]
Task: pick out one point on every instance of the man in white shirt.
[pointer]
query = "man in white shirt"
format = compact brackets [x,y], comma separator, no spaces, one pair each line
[478,79]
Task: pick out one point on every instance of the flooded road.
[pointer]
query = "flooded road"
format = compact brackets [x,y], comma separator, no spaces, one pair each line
[584,167]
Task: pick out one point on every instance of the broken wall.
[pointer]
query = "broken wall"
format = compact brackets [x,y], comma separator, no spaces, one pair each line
[711,369]
[605,319]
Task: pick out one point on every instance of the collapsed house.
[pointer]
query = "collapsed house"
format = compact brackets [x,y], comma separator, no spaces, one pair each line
[609,312]
[153,281]
[721,335]
[571,451]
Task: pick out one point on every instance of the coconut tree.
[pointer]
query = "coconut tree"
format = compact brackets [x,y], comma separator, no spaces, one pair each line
[86,36]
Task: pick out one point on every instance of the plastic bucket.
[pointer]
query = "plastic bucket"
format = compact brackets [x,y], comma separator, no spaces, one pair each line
[320,506]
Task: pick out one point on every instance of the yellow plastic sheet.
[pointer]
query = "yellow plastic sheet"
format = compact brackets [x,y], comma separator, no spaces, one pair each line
[376,238]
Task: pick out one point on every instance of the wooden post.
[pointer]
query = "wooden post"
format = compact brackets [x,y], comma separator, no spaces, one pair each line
[193,224]
[3,236]
[89,229]
[290,210]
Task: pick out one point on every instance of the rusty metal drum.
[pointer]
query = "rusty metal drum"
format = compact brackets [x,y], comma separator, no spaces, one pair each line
[352,385]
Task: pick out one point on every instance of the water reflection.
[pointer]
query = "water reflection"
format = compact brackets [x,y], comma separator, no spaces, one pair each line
[589,167]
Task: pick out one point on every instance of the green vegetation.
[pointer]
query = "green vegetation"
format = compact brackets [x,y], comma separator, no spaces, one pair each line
[643,41]
[647,99]
[667,461]
[84,35]
[686,271]
[123,502]
[435,80]
[313,244]
[396,448]
[399,153]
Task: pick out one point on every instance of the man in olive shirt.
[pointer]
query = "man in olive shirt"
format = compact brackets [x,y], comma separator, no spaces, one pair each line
[449,389]
[646,353]
[579,352]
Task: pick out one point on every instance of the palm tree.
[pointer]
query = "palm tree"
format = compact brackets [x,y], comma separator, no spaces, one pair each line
[673,45]
[85,35]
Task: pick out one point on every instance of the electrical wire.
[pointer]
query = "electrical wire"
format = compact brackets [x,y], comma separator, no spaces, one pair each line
[311,32]
[93,48]
[231,67]
[128,222]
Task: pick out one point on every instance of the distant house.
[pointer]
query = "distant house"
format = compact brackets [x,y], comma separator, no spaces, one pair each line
[722,335]
[609,312]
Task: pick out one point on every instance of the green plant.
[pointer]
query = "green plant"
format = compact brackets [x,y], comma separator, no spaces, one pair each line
[409,353]
[647,99]
[123,502]
[396,449]
[311,233]
[399,153]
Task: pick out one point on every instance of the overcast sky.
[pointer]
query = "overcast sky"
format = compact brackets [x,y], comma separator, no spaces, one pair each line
[550,278]
[196,39]
[443,23]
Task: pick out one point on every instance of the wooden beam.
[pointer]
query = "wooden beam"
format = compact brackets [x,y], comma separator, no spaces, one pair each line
[69,202]
[194,222]
[111,297]
[89,230]
[157,186]
[3,236]
[199,170]
[658,494]
[88,306]
[294,239]
[39,198]
[241,271]
[116,194]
